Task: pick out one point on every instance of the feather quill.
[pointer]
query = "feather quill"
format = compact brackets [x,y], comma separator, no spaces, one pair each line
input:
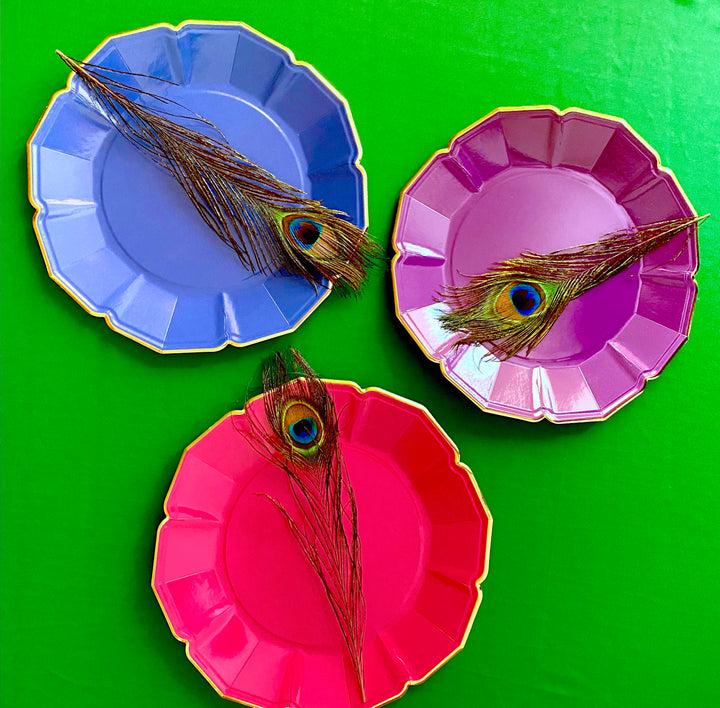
[512,307]
[304,441]
[270,225]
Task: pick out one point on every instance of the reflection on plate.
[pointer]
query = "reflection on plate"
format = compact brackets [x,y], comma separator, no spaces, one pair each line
[236,587]
[541,180]
[120,235]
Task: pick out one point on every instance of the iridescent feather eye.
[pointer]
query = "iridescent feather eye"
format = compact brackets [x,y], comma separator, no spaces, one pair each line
[520,300]
[303,426]
[328,246]
[305,232]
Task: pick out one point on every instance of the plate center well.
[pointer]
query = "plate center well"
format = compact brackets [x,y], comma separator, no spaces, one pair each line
[273,582]
[150,215]
[544,209]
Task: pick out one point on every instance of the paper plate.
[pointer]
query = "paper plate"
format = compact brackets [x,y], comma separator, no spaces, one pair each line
[541,180]
[120,235]
[236,587]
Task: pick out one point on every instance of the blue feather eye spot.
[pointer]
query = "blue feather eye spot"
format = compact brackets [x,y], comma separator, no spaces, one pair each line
[525,298]
[304,431]
[306,232]
[302,426]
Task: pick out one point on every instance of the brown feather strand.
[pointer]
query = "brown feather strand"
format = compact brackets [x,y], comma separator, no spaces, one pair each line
[239,200]
[324,517]
[561,276]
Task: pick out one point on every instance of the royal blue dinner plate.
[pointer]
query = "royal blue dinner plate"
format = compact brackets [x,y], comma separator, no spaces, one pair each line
[120,235]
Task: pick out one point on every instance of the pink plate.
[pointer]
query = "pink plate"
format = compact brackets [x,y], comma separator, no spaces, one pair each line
[235,586]
[540,179]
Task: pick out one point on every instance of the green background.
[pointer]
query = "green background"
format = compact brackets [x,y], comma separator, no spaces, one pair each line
[603,583]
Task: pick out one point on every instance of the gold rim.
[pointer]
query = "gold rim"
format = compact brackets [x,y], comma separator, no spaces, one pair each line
[546,415]
[460,465]
[38,209]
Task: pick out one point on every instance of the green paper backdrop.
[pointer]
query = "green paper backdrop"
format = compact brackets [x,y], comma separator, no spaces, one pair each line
[603,584]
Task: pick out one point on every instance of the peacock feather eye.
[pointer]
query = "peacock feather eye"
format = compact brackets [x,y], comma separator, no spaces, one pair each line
[303,426]
[305,232]
[525,298]
[520,300]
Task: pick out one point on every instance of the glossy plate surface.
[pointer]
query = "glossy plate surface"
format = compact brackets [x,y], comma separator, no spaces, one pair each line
[236,587]
[541,180]
[120,235]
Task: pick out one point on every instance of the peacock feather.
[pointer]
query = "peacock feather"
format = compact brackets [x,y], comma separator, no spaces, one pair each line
[513,306]
[270,225]
[304,441]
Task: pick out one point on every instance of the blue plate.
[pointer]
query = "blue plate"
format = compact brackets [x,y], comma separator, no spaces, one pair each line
[120,235]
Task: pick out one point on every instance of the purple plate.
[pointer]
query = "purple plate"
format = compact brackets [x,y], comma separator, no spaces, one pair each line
[120,235]
[540,179]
